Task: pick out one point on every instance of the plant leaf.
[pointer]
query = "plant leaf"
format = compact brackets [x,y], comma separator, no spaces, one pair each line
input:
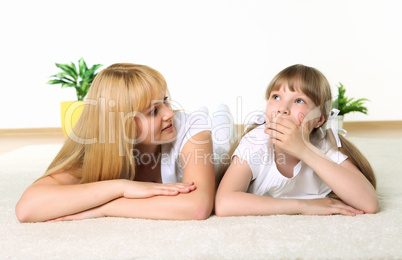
[90,75]
[55,81]
[68,69]
[347,105]
[82,67]
[67,85]
[81,80]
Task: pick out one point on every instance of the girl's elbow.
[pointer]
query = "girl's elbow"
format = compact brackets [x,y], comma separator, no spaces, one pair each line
[373,207]
[221,209]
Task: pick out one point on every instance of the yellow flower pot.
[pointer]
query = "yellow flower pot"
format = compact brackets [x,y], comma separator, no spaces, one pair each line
[70,111]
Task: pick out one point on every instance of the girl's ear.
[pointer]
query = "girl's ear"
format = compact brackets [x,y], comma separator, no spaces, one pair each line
[320,122]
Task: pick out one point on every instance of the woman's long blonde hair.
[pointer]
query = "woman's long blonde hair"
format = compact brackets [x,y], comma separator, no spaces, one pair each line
[100,145]
[315,85]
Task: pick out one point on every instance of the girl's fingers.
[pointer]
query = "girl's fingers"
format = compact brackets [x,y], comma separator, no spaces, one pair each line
[273,129]
[328,206]
[345,209]
[282,125]
[284,121]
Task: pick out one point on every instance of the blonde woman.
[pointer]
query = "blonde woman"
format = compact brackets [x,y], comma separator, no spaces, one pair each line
[129,155]
[291,162]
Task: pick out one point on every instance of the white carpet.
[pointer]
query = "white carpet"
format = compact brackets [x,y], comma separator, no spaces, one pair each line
[376,236]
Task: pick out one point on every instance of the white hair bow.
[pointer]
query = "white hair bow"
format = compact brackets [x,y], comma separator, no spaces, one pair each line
[334,128]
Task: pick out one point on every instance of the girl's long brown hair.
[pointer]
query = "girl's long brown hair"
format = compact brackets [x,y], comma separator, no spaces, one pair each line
[99,147]
[313,84]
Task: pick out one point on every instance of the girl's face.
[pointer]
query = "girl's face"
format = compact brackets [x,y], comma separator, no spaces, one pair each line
[295,106]
[155,124]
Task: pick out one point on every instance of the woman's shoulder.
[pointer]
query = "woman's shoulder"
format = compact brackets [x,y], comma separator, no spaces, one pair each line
[192,123]
[194,118]
[61,178]
[254,144]
[188,125]
[256,136]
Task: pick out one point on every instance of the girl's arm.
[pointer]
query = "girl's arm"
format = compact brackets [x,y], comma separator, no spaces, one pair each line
[198,167]
[344,179]
[59,195]
[232,198]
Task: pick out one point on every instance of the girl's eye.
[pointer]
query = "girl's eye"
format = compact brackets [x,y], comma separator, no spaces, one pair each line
[275,97]
[300,101]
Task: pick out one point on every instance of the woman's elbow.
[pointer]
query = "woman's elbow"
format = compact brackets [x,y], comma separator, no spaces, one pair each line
[201,213]
[26,211]
[22,212]
[198,210]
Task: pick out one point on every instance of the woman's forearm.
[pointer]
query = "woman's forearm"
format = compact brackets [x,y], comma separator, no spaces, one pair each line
[188,206]
[41,202]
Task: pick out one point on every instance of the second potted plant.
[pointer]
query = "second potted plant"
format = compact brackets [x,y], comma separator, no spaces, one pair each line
[347,105]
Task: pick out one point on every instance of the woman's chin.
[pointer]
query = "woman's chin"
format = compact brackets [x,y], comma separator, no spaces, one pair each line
[168,137]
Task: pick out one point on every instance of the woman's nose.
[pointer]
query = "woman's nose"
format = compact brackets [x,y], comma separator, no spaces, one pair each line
[167,113]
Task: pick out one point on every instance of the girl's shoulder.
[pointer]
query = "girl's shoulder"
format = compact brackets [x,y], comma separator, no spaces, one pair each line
[327,146]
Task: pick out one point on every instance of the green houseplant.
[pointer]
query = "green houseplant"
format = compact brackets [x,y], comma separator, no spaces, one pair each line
[347,105]
[79,78]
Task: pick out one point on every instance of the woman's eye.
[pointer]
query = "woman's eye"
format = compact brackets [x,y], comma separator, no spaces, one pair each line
[300,101]
[153,112]
[166,100]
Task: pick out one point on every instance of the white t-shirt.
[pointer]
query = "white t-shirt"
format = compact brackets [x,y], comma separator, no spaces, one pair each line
[256,149]
[188,125]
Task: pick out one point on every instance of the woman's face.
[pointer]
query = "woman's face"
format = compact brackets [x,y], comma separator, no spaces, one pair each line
[155,124]
[295,106]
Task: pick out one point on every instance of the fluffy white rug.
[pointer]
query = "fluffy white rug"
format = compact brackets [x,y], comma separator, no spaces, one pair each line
[376,236]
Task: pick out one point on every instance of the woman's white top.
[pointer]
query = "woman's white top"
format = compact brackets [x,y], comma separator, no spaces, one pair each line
[188,125]
[256,149]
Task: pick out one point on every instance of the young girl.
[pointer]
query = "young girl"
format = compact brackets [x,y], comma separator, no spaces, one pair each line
[291,164]
[129,155]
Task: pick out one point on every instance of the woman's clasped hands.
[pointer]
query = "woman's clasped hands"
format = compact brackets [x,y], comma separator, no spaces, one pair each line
[133,190]
[141,190]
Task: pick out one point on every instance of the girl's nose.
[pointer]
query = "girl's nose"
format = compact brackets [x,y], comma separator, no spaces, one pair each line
[283,111]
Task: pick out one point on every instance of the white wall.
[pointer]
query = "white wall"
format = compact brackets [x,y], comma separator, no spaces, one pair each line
[210,52]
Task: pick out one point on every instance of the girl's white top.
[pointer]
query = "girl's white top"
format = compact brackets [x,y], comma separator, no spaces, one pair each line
[256,149]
